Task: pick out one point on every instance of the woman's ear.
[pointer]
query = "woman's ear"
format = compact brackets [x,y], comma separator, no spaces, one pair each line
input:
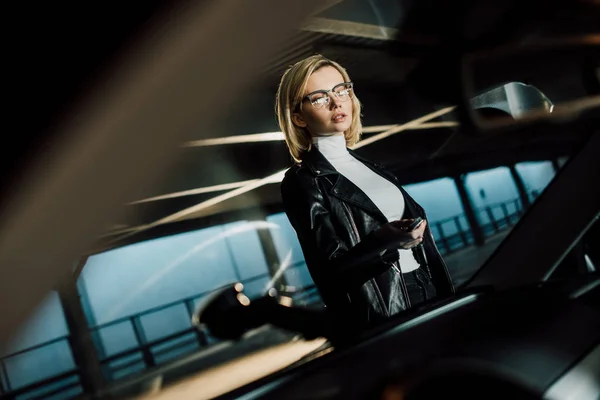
[298,120]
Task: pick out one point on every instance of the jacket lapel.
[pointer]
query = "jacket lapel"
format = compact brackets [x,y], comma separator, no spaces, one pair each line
[348,192]
[342,188]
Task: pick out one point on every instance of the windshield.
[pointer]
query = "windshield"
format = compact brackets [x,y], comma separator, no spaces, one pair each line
[222,216]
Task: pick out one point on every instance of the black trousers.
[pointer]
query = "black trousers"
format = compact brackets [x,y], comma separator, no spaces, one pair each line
[419,286]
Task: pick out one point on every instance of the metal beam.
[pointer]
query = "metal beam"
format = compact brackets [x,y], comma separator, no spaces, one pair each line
[349,28]
[188,225]
[268,196]
[459,163]
[520,260]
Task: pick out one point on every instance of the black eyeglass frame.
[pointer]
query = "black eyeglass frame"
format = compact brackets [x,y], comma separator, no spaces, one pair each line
[326,92]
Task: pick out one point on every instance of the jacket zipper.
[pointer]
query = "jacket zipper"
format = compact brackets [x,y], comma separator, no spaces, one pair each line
[394,266]
[424,216]
[352,222]
[380,170]
[374,285]
[392,177]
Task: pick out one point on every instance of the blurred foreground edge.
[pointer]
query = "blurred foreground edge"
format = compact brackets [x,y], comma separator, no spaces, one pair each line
[119,144]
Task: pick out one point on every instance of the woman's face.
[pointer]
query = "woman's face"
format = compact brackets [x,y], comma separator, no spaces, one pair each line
[331,119]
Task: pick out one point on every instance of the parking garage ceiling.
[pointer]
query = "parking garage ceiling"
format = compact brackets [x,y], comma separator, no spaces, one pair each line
[402,57]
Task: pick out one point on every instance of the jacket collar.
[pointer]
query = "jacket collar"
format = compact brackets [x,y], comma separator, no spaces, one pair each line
[316,162]
[345,190]
[342,187]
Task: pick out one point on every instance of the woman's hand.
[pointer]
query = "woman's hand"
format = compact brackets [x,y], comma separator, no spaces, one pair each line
[396,233]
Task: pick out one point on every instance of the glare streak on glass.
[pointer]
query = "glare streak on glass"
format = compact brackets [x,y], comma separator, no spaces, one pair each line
[284,265]
[278,136]
[378,13]
[276,177]
[178,261]
[192,192]
[403,127]
[255,137]
[589,264]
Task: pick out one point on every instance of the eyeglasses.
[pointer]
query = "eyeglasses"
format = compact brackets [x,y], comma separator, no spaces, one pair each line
[321,98]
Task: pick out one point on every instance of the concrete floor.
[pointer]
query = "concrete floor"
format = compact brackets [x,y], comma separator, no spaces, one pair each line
[462,264]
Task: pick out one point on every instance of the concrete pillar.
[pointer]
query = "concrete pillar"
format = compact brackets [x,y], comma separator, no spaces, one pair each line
[271,256]
[467,204]
[520,187]
[82,345]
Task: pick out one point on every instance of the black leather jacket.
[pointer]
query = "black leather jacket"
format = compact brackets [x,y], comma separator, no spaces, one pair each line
[336,222]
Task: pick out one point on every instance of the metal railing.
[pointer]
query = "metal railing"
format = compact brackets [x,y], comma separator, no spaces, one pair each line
[493,219]
[149,352]
[451,234]
[54,385]
[143,354]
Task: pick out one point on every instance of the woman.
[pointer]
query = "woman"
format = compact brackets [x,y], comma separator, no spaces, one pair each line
[351,216]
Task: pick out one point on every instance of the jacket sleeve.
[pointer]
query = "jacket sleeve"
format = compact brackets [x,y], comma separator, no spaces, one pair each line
[327,256]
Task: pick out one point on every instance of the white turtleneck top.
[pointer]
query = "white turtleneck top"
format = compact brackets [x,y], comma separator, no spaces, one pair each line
[384,194]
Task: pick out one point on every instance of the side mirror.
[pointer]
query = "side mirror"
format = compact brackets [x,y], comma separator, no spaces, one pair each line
[224,312]
[228,313]
[547,82]
[513,99]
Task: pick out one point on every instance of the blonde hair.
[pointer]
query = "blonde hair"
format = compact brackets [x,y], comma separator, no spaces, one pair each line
[289,100]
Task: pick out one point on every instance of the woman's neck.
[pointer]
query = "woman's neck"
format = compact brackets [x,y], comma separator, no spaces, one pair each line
[331,146]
